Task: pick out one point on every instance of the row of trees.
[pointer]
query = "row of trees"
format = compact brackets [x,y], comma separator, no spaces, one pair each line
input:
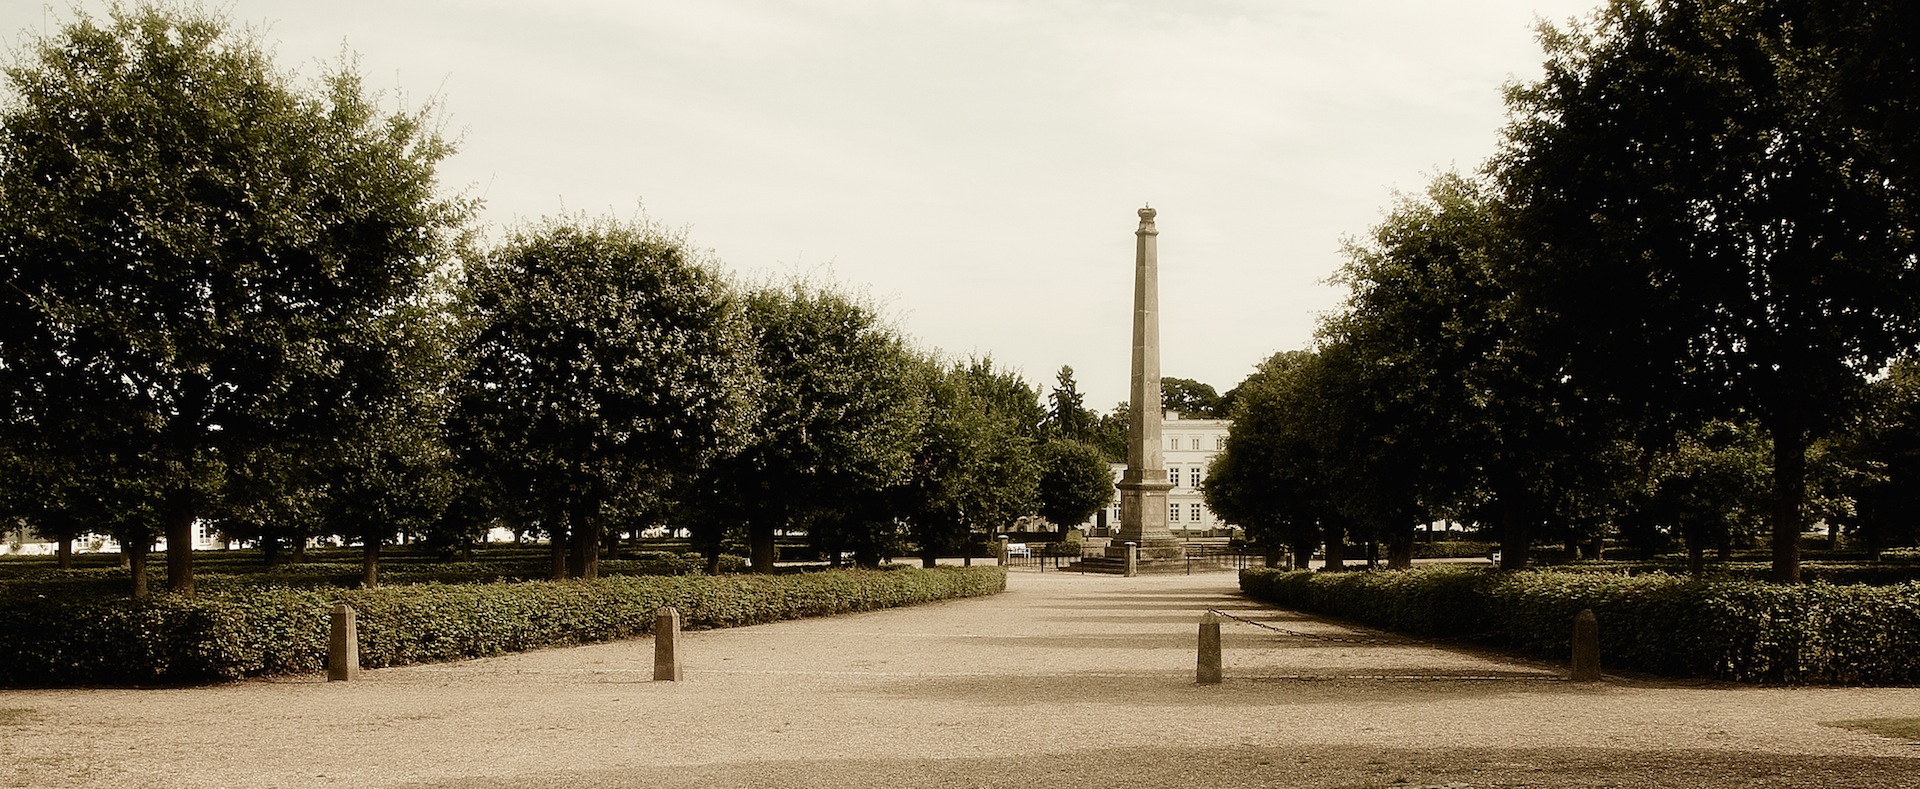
[231,300]
[1677,301]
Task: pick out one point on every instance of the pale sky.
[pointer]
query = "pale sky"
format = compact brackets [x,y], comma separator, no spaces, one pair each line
[974,167]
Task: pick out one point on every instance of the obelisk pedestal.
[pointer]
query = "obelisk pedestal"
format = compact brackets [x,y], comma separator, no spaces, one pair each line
[1143,487]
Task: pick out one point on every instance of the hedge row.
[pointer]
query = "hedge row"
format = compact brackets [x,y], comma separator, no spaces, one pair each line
[1746,631]
[241,632]
[1882,573]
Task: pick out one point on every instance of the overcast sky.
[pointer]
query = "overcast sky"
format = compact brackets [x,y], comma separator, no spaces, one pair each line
[974,167]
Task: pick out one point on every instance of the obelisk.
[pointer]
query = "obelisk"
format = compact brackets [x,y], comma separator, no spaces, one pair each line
[1143,487]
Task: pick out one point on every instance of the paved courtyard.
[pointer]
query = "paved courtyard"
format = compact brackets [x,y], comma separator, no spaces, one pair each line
[1063,681]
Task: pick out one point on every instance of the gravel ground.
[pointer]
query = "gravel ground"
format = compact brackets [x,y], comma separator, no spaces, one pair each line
[1063,681]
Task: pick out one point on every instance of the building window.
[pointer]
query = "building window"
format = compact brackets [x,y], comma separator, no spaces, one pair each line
[1219,442]
[1173,512]
[1193,477]
[1194,444]
[1193,513]
[1173,443]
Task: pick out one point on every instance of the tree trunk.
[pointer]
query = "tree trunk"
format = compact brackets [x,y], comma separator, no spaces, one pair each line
[713,560]
[1336,548]
[269,549]
[1515,539]
[583,545]
[136,555]
[180,551]
[1270,555]
[299,549]
[929,558]
[66,552]
[1790,493]
[1400,549]
[1303,553]
[1696,558]
[370,563]
[760,538]
[556,552]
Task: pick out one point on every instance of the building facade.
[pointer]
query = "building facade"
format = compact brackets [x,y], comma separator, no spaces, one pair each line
[1190,445]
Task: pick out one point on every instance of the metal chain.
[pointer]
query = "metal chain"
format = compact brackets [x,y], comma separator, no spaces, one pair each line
[1317,636]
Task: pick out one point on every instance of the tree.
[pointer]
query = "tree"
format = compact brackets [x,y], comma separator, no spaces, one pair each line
[1189,397]
[189,244]
[1710,486]
[1110,432]
[1715,207]
[973,470]
[607,365]
[1447,397]
[1067,414]
[1075,482]
[1884,450]
[1268,479]
[841,407]
[390,471]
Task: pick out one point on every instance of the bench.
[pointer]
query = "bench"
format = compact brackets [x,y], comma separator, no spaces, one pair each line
[1019,549]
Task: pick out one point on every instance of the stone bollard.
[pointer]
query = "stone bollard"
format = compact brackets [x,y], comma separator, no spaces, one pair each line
[1133,559]
[666,645]
[1586,647]
[1207,668]
[343,646]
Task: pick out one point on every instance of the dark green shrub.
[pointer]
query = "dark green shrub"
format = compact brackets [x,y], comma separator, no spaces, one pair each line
[264,630]
[1729,629]
[1453,549]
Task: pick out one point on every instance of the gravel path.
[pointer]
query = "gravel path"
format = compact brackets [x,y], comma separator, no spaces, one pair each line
[1063,681]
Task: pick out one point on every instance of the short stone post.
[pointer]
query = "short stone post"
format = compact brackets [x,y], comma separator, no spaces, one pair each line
[1133,559]
[343,646]
[1586,647]
[666,645]
[1207,667]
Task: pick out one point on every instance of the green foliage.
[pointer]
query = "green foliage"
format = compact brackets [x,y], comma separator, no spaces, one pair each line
[226,634]
[1110,432]
[1190,398]
[606,362]
[198,257]
[841,416]
[1067,414]
[1075,482]
[974,471]
[1747,631]
[1269,478]
[1453,549]
[1714,215]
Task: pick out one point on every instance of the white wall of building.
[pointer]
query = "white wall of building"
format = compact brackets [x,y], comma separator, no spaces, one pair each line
[1189,449]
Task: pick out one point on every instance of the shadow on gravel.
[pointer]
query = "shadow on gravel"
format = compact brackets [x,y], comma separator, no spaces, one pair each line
[1091,765]
[1177,689]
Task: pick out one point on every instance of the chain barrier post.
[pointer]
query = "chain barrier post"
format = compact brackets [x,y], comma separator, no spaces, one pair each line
[1586,647]
[666,645]
[1207,667]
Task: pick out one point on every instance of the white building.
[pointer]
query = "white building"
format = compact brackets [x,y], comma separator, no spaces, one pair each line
[1190,447]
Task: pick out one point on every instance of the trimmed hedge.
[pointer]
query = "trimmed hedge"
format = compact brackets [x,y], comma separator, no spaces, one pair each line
[1746,631]
[243,632]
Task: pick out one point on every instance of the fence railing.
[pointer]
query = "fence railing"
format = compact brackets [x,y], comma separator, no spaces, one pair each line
[1050,557]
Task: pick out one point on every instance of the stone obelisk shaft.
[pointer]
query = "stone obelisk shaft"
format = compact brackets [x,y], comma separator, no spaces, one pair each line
[1143,488]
